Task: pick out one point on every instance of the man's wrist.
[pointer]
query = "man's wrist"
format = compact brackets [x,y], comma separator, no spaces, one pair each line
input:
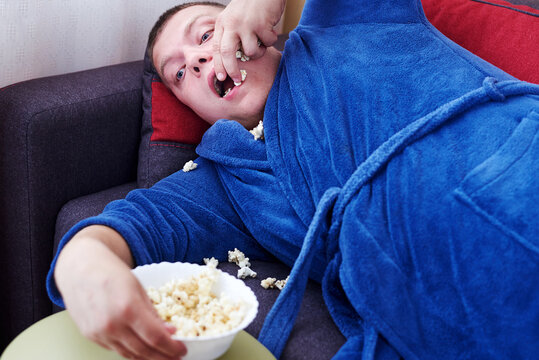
[95,242]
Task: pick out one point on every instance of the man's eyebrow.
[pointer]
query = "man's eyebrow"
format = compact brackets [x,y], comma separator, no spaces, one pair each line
[190,23]
[186,31]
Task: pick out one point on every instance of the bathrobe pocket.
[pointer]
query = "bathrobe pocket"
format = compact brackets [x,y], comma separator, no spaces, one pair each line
[504,189]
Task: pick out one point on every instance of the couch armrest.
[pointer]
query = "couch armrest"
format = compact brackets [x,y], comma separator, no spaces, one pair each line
[61,137]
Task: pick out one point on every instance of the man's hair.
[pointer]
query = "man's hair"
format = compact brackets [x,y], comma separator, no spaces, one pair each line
[165,17]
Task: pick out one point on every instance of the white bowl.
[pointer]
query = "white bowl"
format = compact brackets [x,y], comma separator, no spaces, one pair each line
[202,347]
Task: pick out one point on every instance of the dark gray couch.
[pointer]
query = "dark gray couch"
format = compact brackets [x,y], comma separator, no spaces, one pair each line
[62,137]
[69,145]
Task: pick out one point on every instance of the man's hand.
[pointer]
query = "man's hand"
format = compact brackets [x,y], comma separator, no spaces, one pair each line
[106,301]
[245,24]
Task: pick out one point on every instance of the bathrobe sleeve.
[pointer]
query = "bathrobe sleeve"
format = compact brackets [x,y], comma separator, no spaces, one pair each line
[323,13]
[185,217]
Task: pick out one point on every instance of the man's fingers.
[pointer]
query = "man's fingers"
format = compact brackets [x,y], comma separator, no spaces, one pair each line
[268,38]
[152,330]
[170,328]
[102,343]
[122,350]
[250,46]
[138,347]
[135,330]
[229,45]
[217,62]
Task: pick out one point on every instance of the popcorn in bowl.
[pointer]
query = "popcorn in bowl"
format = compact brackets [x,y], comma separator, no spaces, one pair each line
[207,306]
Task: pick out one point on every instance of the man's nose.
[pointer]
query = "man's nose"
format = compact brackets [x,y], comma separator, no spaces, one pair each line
[197,61]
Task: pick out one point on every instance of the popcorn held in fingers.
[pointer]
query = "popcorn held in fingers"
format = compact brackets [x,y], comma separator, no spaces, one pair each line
[211,262]
[268,282]
[245,272]
[240,55]
[189,166]
[258,131]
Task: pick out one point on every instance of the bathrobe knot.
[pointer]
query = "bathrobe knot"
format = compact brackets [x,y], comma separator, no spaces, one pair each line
[492,90]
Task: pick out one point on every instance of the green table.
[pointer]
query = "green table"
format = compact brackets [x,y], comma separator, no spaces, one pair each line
[57,338]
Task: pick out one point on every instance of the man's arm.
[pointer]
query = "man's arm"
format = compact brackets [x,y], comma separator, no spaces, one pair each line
[110,307]
[184,217]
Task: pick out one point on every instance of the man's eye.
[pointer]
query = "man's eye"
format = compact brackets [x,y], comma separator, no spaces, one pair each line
[205,37]
[179,74]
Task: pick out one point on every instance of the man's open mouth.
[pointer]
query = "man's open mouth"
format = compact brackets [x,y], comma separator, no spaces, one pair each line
[223,87]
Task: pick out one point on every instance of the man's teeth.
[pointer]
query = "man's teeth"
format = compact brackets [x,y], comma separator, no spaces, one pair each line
[219,88]
[225,93]
[219,85]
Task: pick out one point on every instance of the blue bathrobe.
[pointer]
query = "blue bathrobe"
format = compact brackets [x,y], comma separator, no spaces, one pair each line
[398,170]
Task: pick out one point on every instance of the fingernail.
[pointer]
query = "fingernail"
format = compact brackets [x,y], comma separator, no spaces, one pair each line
[170,328]
[221,77]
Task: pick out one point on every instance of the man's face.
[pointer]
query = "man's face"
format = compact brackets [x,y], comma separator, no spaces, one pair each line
[183,56]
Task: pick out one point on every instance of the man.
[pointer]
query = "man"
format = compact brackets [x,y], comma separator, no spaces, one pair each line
[392,158]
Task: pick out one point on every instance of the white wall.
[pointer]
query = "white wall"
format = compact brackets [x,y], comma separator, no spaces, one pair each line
[49,37]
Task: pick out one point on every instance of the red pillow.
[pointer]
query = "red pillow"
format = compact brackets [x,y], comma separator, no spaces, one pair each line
[172,120]
[504,34]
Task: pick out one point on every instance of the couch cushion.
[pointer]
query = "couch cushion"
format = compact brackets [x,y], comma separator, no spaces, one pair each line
[86,206]
[501,32]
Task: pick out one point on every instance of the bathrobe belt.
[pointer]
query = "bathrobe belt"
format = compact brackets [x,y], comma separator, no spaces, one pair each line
[327,220]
